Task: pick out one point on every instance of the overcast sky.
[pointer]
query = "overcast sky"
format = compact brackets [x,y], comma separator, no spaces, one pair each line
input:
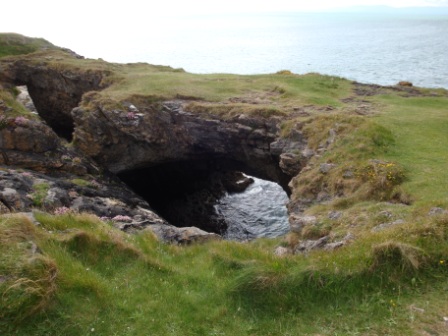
[81,24]
[49,17]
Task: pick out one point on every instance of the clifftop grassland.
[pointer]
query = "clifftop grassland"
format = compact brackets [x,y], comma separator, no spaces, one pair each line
[378,181]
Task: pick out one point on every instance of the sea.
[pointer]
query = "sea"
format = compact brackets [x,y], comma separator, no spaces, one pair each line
[380,47]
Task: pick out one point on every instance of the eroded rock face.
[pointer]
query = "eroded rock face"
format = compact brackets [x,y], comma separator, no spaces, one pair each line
[55,91]
[31,144]
[123,140]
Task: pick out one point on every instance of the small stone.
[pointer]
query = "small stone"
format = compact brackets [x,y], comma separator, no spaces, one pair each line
[349,237]
[445,319]
[437,211]
[297,222]
[332,137]
[334,215]
[308,153]
[282,251]
[384,226]
[308,245]
[334,246]
[290,163]
[323,196]
[385,213]
[405,83]
[326,167]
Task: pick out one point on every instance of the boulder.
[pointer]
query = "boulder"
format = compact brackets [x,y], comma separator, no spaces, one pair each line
[184,236]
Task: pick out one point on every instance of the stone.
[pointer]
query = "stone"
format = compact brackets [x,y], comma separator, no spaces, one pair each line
[384,226]
[308,245]
[437,211]
[335,215]
[405,83]
[235,181]
[331,136]
[12,199]
[183,236]
[297,222]
[57,197]
[290,163]
[282,251]
[385,213]
[333,246]
[324,168]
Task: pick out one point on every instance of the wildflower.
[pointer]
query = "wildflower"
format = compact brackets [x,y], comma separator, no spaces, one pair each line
[131,116]
[95,184]
[20,121]
[442,262]
[62,210]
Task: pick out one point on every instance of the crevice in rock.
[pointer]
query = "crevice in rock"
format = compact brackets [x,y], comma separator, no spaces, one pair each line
[186,193]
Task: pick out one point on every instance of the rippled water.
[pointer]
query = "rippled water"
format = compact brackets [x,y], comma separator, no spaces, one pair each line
[260,211]
[367,47]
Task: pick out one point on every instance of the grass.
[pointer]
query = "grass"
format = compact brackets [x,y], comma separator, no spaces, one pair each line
[420,126]
[39,193]
[94,279]
[15,44]
[10,107]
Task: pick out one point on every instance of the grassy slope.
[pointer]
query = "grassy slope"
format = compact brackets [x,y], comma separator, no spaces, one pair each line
[108,283]
[15,44]
[420,126]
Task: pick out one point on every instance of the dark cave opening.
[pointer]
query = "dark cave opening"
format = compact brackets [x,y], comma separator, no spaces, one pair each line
[186,193]
[61,123]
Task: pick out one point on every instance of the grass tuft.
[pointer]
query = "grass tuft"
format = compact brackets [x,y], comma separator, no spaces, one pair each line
[398,256]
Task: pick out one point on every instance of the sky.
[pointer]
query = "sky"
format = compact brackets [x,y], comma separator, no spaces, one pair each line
[52,17]
[80,24]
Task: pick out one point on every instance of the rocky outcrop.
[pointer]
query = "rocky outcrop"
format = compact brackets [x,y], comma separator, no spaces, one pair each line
[30,144]
[55,89]
[158,141]
[123,140]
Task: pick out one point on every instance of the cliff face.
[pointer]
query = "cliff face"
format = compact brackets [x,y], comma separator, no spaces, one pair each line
[55,91]
[145,136]
[151,143]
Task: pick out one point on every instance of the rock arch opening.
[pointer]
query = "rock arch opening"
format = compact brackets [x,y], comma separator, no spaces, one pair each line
[203,193]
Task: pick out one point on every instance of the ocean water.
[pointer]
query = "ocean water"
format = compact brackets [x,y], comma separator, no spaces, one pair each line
[380,48]
[259,211]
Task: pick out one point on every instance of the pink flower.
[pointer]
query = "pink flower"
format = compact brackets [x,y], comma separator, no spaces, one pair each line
[131,116]
[62,210]
[20,121]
